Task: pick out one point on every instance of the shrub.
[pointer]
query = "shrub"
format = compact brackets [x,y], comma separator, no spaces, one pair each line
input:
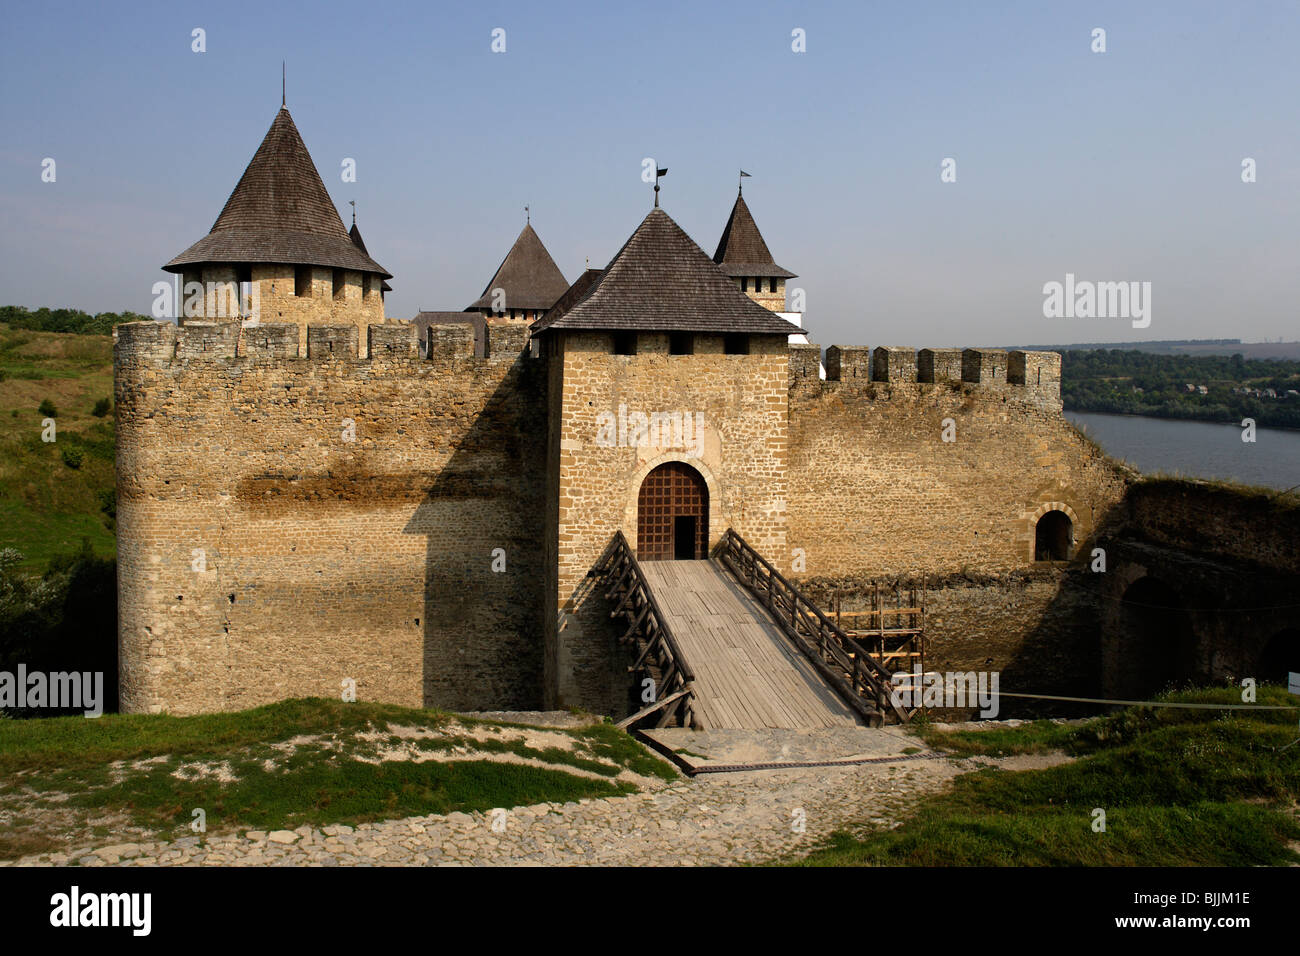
[101,408]
[48,409]
[72,457]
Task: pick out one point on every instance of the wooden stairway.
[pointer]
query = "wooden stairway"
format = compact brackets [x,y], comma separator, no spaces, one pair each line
[748,675]
[730,644]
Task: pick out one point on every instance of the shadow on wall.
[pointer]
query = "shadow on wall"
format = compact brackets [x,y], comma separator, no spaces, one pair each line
[483,518]
[1202,588]
[1183,601]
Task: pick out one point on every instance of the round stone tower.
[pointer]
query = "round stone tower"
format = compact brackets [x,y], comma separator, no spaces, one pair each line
[279,251]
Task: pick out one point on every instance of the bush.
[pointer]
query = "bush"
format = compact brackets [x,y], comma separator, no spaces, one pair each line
[72,457]
[48,409]
[108,506]
[101,408]
[63,620]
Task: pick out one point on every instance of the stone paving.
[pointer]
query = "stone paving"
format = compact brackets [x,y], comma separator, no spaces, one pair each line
[710,819]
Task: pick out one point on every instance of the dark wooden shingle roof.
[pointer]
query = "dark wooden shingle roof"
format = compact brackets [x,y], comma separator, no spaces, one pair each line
[279,212]
[662,281]
[528,274]
[355,235]
[742,251]
[581,286]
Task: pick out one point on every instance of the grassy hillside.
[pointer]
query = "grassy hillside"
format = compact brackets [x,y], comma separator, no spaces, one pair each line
[52,495]
[313,761]
[1178,788]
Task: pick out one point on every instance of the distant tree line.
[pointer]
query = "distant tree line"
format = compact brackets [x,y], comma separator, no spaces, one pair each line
[1129,382]
[66,320]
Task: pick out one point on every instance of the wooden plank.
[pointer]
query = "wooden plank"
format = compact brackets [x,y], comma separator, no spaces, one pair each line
[747,674]
[646,711]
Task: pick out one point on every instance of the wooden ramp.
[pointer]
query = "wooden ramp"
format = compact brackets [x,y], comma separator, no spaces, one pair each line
[747,673]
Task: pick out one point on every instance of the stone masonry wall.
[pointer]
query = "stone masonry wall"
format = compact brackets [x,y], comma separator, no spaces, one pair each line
[876,490]
[267,552]
[358,302]
[877,495]
[741,401]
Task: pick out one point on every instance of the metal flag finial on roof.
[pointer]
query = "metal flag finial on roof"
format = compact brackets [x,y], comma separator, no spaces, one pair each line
[283,71]
[658,173]
[743,176]
[353,204]
[528,217]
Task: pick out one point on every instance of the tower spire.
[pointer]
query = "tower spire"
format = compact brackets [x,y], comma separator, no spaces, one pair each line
[283,71]
[528,218]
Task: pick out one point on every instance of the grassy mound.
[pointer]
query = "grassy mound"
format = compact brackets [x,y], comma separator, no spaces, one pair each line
[1178,788]
[296,762]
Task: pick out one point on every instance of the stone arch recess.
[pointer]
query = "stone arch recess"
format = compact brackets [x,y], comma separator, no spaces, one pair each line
[1031,525]
[718,521]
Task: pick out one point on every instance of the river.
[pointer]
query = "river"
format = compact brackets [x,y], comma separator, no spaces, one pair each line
[1197,449]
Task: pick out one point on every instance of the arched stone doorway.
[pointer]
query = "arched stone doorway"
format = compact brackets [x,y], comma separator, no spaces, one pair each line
[1281,656]
[1053,537]
[672,515]
[1155,644]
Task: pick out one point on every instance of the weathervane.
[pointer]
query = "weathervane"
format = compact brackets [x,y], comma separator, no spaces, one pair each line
[658,173]
[353,204]
[282,83]
[743,176]
[528,218]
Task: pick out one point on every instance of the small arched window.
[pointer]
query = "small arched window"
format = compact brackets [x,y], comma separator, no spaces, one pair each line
[1053,537]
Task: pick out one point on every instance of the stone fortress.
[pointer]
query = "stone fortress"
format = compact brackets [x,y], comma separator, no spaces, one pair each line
[320,494]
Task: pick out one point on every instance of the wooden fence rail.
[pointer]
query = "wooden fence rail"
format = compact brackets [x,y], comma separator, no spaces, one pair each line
[658,654]
[861,680]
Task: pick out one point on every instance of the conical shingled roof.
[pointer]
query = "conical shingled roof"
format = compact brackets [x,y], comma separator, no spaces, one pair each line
[528,274]
[355,235]
[279,212]
[742,251]
[661,281]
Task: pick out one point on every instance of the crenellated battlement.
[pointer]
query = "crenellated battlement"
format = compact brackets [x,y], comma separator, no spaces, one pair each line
[1035,376]
[164,343]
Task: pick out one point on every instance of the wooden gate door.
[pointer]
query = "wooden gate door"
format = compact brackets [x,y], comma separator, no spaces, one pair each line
[673,490]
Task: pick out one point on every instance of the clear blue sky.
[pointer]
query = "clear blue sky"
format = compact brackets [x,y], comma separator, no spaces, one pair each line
[1116,166]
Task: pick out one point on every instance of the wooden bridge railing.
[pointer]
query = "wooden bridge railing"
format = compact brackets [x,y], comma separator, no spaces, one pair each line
[855,674]
[658,654]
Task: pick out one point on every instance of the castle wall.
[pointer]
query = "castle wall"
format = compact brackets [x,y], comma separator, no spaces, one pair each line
[773,301]
[356,303]
[878,495]
[266,551]
[740,402]
[876,490]
[1227,563]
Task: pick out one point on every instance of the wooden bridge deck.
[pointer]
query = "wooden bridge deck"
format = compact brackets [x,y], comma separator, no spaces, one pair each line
[747,673]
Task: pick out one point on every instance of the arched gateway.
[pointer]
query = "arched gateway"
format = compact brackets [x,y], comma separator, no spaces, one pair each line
[672,514]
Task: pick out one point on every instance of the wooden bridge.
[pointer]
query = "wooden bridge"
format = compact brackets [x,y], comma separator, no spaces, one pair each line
[730,643]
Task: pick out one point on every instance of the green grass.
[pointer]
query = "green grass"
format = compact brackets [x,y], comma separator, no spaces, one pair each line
[1042,736]
[1178,787]
[66,763]
[51,493]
